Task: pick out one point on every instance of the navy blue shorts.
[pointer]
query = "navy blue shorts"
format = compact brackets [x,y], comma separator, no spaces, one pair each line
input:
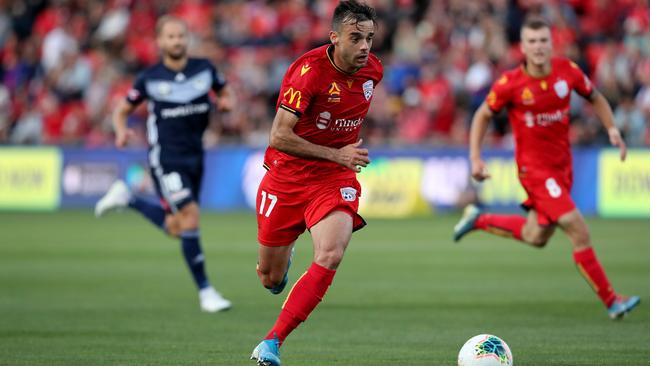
[177,183]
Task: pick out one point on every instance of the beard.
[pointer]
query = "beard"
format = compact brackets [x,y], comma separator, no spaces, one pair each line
[177,54]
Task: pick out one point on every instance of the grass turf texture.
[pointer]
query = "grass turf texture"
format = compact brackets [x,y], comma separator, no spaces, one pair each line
[80,291]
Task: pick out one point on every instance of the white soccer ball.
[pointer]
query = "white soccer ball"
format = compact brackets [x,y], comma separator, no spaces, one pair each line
[485,350]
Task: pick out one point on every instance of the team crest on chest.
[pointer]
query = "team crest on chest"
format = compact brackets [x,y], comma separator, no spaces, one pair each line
[561,88]
[368,86]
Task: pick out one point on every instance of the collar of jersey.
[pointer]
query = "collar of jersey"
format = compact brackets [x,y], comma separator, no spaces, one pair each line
[523,68]
[329,57]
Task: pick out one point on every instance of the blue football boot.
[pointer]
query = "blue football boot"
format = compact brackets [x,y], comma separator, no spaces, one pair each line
[280,287]
[267,353]
[467,221]
[623,305]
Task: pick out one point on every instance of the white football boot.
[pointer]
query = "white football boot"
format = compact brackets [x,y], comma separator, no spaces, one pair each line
[212,301]
[117,197]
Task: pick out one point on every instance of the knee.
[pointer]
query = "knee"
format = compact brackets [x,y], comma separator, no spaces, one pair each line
[329,258]
[188,220]
[581,239]
[539,241]
[172,226]
[268,278]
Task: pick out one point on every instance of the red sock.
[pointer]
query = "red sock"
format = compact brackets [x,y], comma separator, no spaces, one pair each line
[503,225]
[593,272]
[301,301]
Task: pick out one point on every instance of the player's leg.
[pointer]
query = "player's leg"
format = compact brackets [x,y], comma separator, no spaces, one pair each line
[534,233]
[273,266]
[119,197]
[330,237]
[525,229]
[574,225]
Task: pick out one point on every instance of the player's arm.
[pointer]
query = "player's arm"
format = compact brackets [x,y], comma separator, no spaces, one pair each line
[284,139]
[606,116]
[225,99]
[480,123]
[122,132]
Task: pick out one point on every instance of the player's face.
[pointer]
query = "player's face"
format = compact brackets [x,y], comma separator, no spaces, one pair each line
[536,45]
[172,40]
[353,43]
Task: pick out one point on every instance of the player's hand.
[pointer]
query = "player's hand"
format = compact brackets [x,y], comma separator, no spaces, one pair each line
[479,170]
[353,157]
[224,104]
[122,137]
[616,140]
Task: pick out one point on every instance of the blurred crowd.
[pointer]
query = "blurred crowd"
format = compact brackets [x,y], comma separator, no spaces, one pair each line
[64,64]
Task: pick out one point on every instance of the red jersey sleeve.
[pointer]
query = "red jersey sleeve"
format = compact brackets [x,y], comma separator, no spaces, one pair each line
[298,88]
[579,81]
[499,96]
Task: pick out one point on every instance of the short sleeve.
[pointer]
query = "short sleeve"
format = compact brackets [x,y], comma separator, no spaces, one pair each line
[298,88]
[138,91]
[218,79]
[580,82]
[499,95]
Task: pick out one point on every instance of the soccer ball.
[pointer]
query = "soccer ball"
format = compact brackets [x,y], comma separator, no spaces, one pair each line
[485,350]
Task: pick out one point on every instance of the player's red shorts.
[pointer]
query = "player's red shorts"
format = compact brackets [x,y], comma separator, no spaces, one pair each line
[286,209]
[549,194]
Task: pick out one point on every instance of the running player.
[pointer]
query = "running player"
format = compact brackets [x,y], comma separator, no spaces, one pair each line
[311,163]
[177,89]
[537,95]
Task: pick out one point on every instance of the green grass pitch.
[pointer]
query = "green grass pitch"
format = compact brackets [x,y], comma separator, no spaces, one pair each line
[75,290]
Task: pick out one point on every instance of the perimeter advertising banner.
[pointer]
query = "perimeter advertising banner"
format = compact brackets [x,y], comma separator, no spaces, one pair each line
[624,187]
[30,178]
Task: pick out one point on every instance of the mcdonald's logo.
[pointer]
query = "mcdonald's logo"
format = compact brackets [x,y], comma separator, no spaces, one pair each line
[292,95]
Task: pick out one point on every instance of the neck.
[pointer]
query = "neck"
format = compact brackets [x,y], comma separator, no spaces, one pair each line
[538,71]
[175,64]
[338,61]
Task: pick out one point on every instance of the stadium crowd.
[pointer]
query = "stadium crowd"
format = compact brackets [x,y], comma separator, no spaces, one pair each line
[64,64]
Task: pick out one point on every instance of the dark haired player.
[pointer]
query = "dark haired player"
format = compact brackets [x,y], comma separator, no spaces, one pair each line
[177,89]
[311,163]
[537,95]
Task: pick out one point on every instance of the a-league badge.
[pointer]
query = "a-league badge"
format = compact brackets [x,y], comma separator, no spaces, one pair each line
[349,194]
[368,86]
[561,88]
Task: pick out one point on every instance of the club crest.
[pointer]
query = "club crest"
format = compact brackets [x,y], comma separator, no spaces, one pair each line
[561,88]
[349,194]
[368,86]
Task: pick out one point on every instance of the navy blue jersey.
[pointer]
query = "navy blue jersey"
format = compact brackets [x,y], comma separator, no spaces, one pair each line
[179,106]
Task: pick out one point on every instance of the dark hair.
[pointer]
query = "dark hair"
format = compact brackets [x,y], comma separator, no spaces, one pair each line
[353,12]
[535,23]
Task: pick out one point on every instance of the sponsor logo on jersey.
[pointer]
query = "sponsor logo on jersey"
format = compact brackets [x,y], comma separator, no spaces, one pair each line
[185,110]
[323,120]
[561,88]
[304,69]
[334,93]
[347,125]
[290,95]
[543,119]
[349,194]
[164,88]
[491,98]
[527,97]
[368,86]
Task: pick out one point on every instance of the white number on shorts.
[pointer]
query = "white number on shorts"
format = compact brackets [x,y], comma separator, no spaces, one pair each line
[172,182]
[273,198]
[553,188]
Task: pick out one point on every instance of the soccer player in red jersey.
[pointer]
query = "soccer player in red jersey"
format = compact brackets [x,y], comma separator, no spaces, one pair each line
[312,161]
[537,95]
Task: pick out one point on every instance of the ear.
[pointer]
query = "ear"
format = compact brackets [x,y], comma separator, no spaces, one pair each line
[334,37]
